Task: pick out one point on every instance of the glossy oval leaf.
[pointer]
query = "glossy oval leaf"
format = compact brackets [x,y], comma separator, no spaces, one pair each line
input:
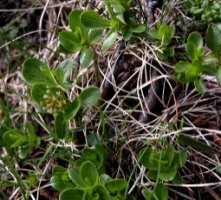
[168,175]
[138,29]
[86,58]
[72,109]
[213,39]
[116,185]
[93,20]
[61,126]
[74,19]
[74,175]
[109,40]
[218,74]
[200,85]
[37,92]
[196,39]
[182,66]
[180,159]
[95,36]
[89,97]
[72,194]
[161,192]
[70,41]
[191,50]
[191,73]
[14,138]
[88,173]
[100,193]
[149,158]
[63,71]
[33,74]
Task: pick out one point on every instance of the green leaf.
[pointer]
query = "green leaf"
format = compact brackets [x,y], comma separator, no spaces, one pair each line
[168,175]
[182,66]
[138,29]
[74,175]
[109,40]
[218,74]
[72,194]
[63,71]
[152,174]
[191,74]
[103,179]
[14,138]
[194,46]
[147,193]
[74,19]
[72,109]
[200,85]
[86,57]
[60,180]
[33,74]
[127,34]
[191,50]
[196,144]
[149,158]
[196,39]
[163,30]
[171,32]
[31,134]
[180,159]
[213,39]
[89,97]
[24,150]
[161,192]
[37,92]
[61,126]
[95,36]
[93,20]
[70,41]
[116,185]
[168,154]
[154,34]
[91,155]
[100,193]
[58,170]
[88,173]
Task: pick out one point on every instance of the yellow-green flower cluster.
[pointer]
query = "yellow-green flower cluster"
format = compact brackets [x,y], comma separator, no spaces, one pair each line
[54,102]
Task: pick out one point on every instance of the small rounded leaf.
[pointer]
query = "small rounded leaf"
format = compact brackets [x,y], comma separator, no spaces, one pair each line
[196,39]
[61,126]
[109,40]
[182,66]
[116,185]
[89,97]
[37,92]
[213,38]
[72,194]
[32,72]
[70,41]
[200,85]
[86,57]
[88,173]
[72,109]
[93,20]
[74,19]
